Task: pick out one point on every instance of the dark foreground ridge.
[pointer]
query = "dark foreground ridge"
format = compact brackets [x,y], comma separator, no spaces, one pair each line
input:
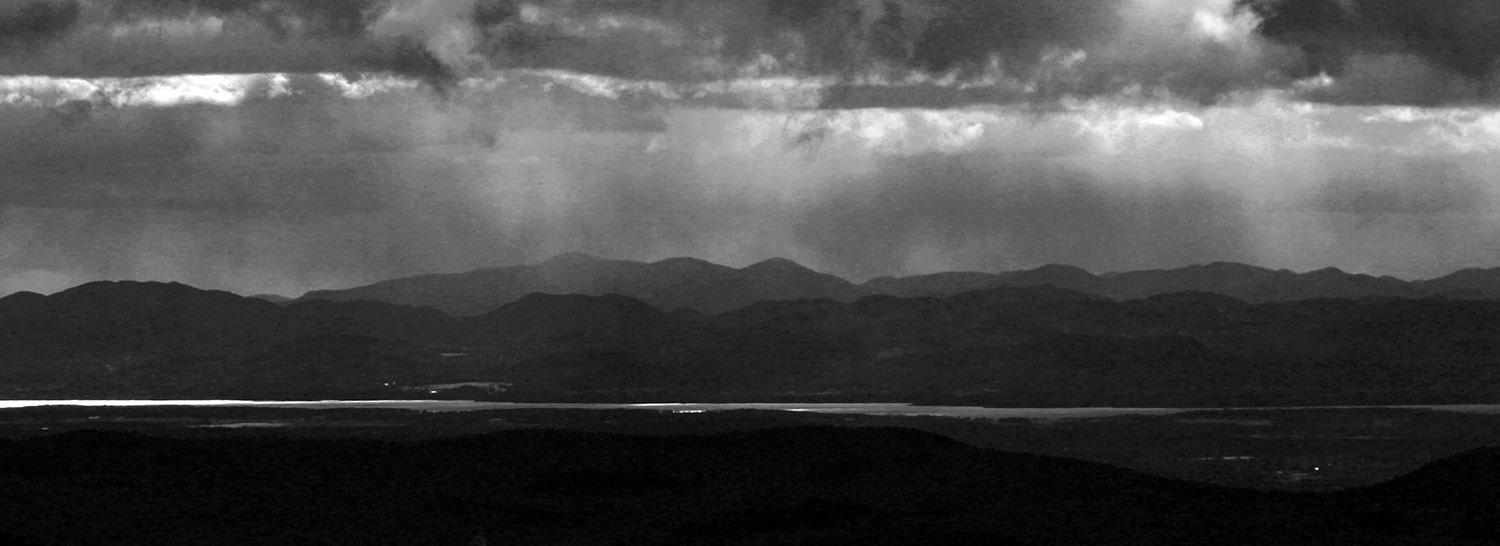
[805,485]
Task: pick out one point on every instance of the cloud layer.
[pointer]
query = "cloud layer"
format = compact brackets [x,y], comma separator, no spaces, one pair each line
[885,52]
[281,146]
[311,181]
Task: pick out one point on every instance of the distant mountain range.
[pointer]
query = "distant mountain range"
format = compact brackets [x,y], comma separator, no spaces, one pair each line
[688,283]
[677,283]
[1008,345]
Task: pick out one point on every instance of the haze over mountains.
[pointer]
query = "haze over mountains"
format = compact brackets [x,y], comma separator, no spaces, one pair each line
[279,146]
[677,330]
[689,283]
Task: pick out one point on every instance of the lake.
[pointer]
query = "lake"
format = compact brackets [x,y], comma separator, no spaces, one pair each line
[892,409]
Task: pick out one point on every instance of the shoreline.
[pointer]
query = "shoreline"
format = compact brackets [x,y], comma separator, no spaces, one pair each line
[863,408]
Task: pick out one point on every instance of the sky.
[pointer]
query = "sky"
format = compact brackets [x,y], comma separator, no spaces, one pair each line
[280,146]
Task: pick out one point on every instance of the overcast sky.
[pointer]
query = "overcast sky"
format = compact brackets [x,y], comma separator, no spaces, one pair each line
[287,145]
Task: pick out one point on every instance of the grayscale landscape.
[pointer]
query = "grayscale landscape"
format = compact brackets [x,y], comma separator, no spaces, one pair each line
[745,272]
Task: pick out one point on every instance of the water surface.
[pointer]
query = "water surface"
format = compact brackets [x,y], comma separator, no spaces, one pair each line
[860,409]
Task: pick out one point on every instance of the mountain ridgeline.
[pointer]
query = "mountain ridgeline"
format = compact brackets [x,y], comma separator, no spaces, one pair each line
[677,283]
[1062,337]
[688,283]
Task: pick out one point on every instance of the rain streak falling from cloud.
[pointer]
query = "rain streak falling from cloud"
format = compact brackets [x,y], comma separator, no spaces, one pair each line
[286,146]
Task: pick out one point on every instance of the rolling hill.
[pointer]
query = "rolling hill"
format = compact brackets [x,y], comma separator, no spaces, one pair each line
[1034,345]
[802,485]
[705,287]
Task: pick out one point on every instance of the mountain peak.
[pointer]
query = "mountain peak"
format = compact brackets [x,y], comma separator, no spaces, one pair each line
[23,295]
[684,260]
[776,265]
[130,287]
[1230,266]
[573,258]
[686,264]
[1050,273]
[1062,268]
[273,298]
[1472,273]
[540,313]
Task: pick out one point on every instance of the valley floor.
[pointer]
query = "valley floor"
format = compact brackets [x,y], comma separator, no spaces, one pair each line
[164,476]
[1307,449]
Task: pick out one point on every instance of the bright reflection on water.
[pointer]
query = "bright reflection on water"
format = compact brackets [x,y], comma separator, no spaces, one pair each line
[862,409]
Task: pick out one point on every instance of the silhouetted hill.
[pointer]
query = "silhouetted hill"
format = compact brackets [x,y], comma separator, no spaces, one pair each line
[679,283]
[1232,279]
[547,315]
[684,283]
[690,283]
[935,284]
[481,290]
[21,299]
[806,485]
[376,319]
[145,318]
[1462,487]
[1471,478]
[273,298]
[133,318]
[1019,346]
[668,284]
[311,367]
[1245,282]
[1471,282]
[1061,276]
[122,339]
[782,279]
[1045,345]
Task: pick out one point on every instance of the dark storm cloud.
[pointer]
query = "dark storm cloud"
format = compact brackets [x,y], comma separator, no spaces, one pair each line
[248,145]
[728,130]
[30,24]
[1392,51]
[284,191]
[286,183]
[1020,31]
[1023,49]
[89,38]
[1376,51]
[346,17]
[1012,49]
